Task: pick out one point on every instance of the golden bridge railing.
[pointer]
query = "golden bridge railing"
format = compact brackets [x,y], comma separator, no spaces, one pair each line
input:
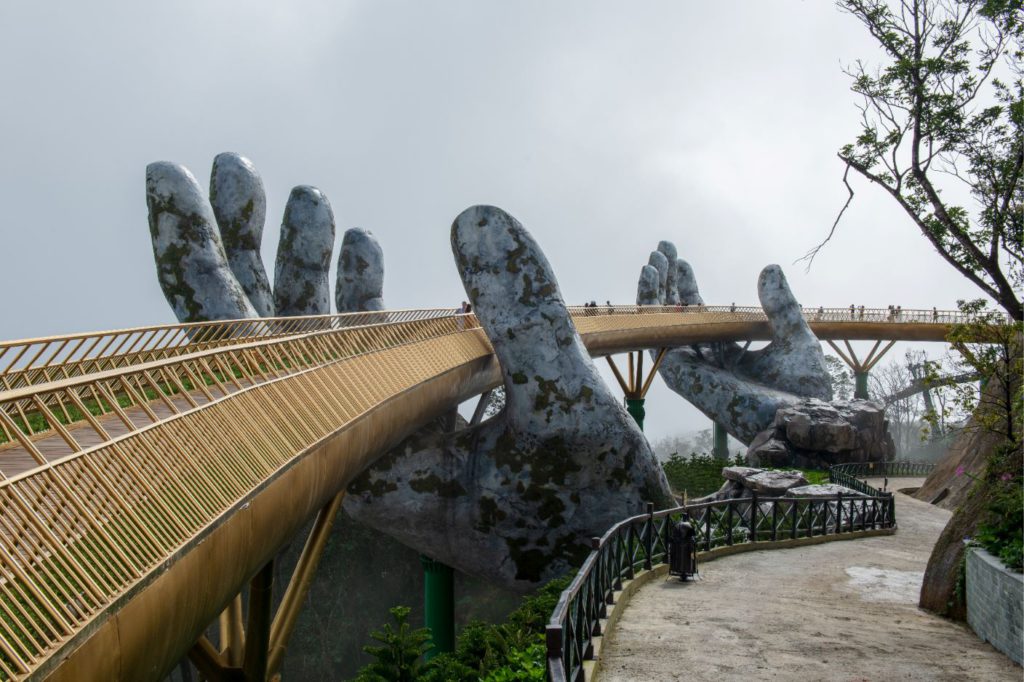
[31,361]
[53,359]
[184,381]
[75,533]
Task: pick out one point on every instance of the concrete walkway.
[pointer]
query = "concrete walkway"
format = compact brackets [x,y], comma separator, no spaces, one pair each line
[844,610]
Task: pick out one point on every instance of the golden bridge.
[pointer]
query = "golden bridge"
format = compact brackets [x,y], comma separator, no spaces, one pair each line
[148,475]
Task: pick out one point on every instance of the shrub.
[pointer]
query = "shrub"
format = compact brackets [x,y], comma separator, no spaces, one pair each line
[512,651]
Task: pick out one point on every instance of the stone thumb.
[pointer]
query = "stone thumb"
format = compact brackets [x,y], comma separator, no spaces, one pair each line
[781,307]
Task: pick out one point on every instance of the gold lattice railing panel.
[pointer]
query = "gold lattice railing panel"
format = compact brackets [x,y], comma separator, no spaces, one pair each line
[78,532]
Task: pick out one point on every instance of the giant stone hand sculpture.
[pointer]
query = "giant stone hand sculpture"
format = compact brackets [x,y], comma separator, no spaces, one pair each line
[775,399]
[741,390]
[513,499]
[516,497]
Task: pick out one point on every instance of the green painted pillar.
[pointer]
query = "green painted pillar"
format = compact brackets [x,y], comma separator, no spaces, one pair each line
[861,389]
[721,446]
[635,406]
[439,605]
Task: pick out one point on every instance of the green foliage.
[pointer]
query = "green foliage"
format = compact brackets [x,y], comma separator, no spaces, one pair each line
[942,110]
[699,475]
[1001,530]
[992,349]
[512,651]
[840,377]
[696,475]
[400,657]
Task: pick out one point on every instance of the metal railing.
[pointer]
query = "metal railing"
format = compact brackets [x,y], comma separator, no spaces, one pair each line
[55,360]
[851,474]
[27,362]
[78,531]
[30,361]
[641,542]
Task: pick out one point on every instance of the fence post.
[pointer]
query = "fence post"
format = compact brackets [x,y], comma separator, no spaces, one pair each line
[707,529]
[839,513]
[630,547]
[649,537]
[556,653]
[728,521]
[753,516]
[794,514]
[775,520]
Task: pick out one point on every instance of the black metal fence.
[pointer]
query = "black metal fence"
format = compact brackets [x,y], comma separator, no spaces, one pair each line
[851,475]
[641,542]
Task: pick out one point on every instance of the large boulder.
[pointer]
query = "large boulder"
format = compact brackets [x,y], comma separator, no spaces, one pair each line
[815,434]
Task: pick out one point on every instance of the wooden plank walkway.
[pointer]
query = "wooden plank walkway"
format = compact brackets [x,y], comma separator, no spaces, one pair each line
[15,459]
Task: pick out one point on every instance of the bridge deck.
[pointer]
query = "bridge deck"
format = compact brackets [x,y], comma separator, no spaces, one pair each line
[838,611]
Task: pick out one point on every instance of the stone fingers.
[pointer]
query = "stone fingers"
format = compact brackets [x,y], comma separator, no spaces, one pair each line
[548,372]
[240,206]
[301,273]
[686,284]
[668,249]
[360,281]
[742,407]
[192,266]
[649,287]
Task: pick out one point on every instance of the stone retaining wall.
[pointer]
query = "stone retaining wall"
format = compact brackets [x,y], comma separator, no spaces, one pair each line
[995,601]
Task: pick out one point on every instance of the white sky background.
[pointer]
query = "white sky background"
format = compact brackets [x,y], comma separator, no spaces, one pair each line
[602,126]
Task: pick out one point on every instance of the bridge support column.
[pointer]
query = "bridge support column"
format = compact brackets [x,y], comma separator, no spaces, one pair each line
[257,630]
[860,368]
[721,441]
[860,390]
[635,386]
[635,407]
[439,605]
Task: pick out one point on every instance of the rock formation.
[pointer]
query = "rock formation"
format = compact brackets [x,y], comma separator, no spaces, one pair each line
[813,433]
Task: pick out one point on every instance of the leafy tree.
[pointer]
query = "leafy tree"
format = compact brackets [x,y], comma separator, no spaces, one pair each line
[400,657]
[943,112]
[840,376]
[993,350]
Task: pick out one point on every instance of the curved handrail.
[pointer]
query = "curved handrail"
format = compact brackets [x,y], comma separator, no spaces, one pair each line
[41,363]
[29,361]
[26,362]
[850,474]
[641,542]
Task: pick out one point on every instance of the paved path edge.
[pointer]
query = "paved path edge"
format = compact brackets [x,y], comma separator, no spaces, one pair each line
[620,598]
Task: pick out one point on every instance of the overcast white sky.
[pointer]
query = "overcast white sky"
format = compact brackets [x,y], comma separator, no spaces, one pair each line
[602,126]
